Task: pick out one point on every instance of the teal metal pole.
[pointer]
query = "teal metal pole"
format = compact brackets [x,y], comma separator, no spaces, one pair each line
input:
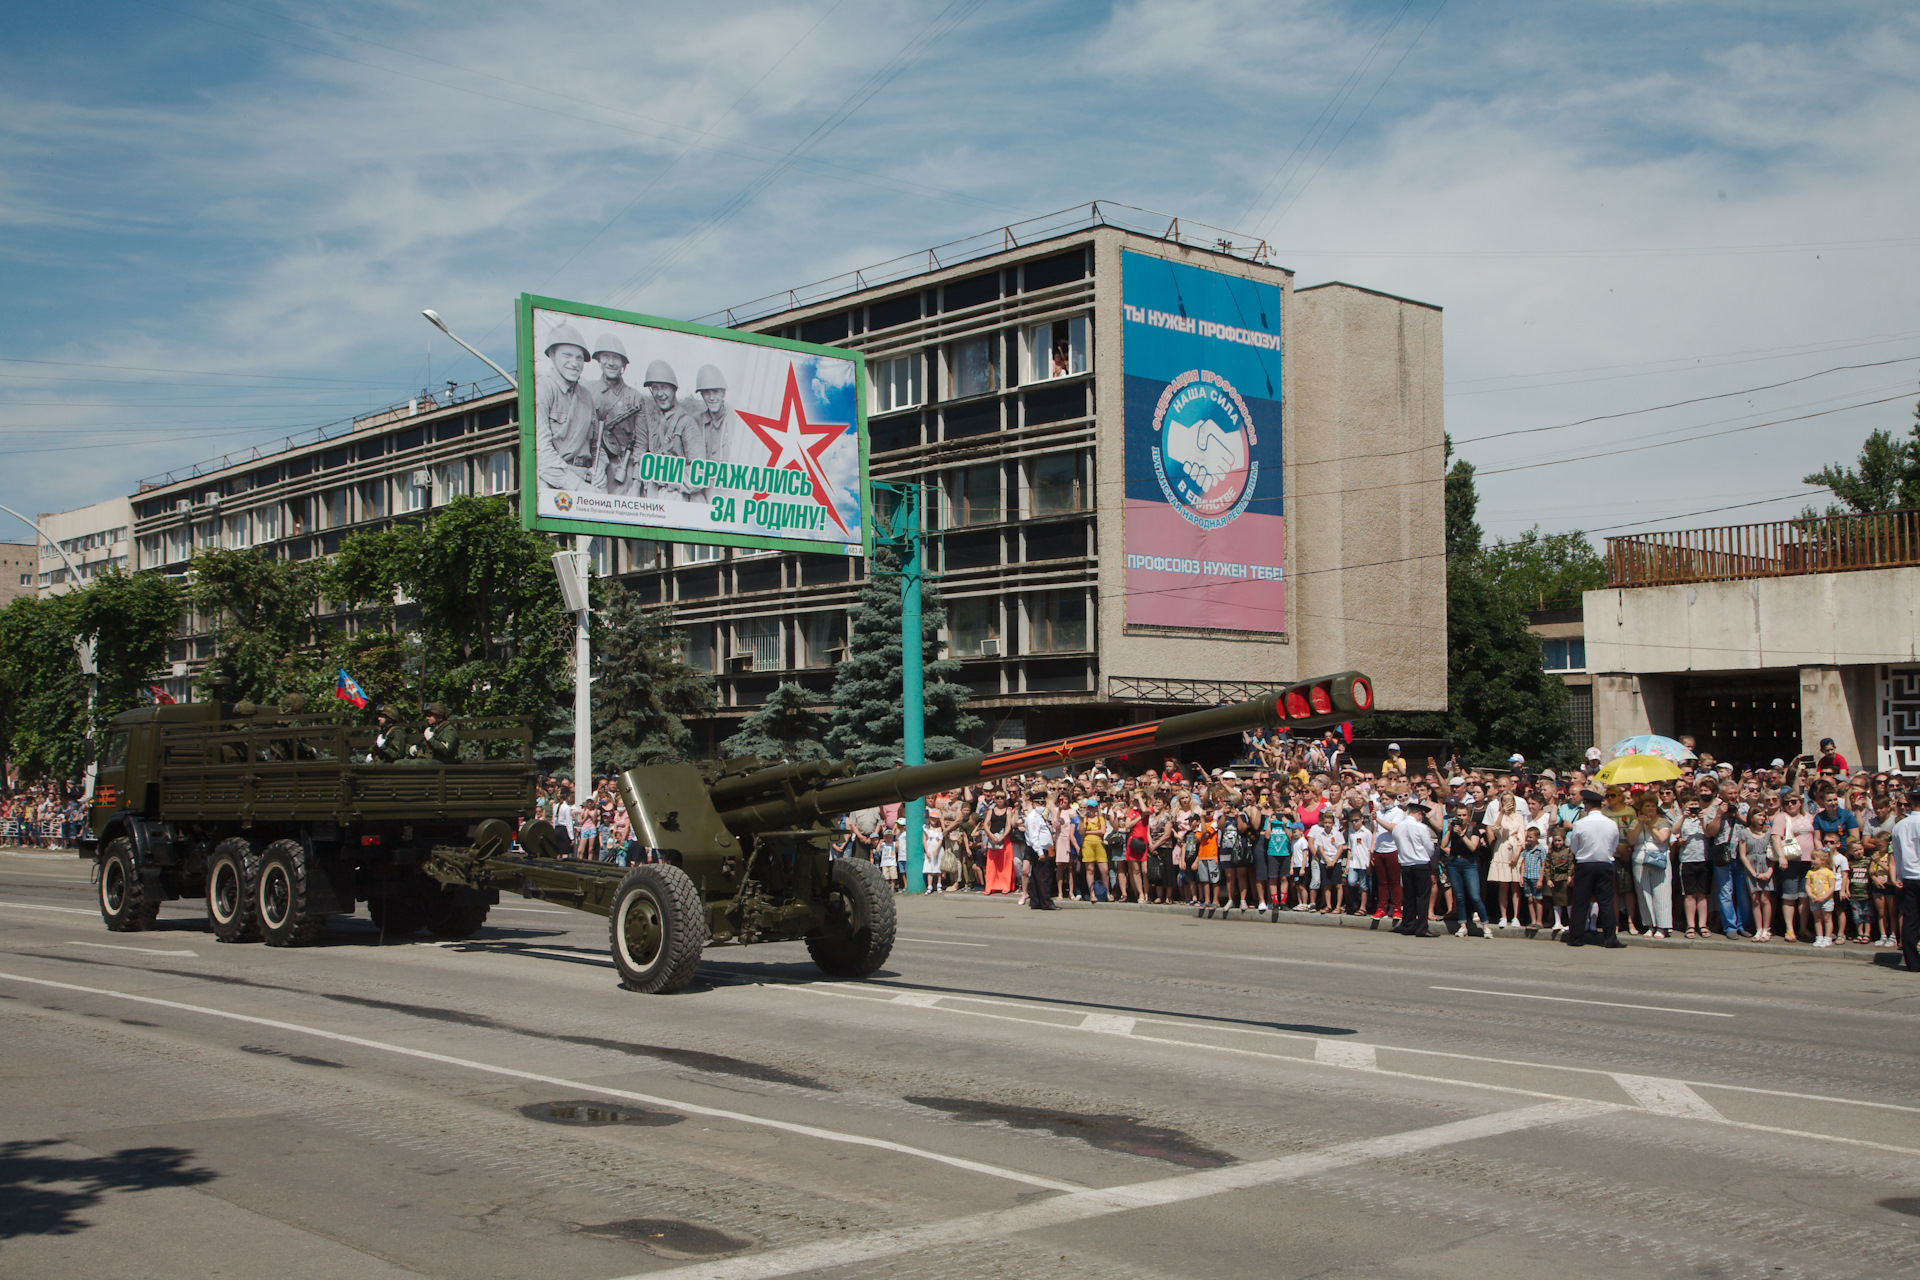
[913,692]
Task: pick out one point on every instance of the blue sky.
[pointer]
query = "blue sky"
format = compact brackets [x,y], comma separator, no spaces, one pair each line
[1620,205]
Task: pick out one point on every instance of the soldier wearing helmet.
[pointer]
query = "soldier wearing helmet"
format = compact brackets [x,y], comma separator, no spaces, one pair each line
[439,740]
[713,436]
[619,410]
[669,427]
[566,442]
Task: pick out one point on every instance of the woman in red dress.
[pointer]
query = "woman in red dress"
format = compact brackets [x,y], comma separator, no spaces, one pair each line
[998,834]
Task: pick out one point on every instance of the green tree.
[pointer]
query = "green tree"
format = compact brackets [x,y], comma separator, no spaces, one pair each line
[262,613]
[1544,571]
[129,618]
[42,694]
[1462,508]
[1885,478]
[643,691]
[867,725]
[785,727]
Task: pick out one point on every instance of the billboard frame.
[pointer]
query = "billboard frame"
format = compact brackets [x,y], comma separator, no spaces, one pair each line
[530,517]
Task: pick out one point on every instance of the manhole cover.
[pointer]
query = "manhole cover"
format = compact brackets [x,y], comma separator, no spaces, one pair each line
[670,1237]
[596,1113]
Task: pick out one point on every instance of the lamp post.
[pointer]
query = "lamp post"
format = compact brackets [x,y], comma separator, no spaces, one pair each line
[571,567]
[433,318]
[905,530]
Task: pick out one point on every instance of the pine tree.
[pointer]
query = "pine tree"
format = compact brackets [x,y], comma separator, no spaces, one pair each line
[785,727]
[867,723]
[642,690]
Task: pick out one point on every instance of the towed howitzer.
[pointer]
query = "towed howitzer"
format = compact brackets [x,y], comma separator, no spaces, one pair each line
[744,844]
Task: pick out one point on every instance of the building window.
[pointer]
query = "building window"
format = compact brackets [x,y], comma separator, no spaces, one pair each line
[896,383]
[1564,655]
[26,579]
[973,628]
[699,553]
[496,472]
[372,499]
[973,496]
[758,644]
[823,638]
[643,554]
[698,650]
[150,551]
[1059,484]
[1057,349]
[1057,622]
[178,545]
[239,531]
[973,368]
[600,557]
[414,490]
[449,482]
[333,508]
[266,523]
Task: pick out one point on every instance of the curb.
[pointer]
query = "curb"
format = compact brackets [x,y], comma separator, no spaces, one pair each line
[1368,924]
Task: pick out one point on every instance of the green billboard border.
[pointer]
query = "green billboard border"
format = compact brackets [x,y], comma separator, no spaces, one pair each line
[529,485]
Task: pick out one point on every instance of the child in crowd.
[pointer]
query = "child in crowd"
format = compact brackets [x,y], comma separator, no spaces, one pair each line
[888,852]
[1533,867]
[1820,882]
[1559,877]
[1359,861]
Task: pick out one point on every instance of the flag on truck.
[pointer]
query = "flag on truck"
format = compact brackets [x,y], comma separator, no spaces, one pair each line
[347,688]
[161,698]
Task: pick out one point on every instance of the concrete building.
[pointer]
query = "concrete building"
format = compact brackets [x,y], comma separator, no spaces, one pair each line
[19,570]
[95,537]
[1563,652]
[1760,640]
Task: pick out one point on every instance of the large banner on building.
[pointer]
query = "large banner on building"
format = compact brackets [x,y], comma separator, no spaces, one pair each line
[1205,528]
[636,427]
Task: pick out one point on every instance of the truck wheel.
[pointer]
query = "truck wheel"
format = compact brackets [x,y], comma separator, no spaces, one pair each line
[860,921]
[233,875]
[451,921]
[657,929]
[397,915]
[281,896]
[123,896]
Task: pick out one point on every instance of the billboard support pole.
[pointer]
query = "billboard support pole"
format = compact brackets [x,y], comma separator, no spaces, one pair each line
[571,568]
[913,689]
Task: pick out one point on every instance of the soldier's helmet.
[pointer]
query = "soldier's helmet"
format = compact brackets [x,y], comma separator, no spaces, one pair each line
[661,371]
[605,343]
[386,712]
[438,710]
[293,704]
[710,379]
[564,334]
[244,708]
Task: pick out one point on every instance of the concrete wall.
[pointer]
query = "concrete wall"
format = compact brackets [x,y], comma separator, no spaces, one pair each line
[114,515]
[17,558]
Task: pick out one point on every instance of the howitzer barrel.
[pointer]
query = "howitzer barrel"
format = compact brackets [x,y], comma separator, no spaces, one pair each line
[1311,704]
[760,781]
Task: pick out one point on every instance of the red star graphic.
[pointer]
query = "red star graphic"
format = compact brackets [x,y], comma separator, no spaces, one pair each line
[794,444]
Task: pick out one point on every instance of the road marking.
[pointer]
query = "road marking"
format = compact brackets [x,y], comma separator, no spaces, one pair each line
[1650,1008]
[1667,1097]
[585,1089]
[936,942]
[1079,1206]
[145,951]
[1345,1053]
[35,906]
[1111,1023]
[534,911]
[919,999]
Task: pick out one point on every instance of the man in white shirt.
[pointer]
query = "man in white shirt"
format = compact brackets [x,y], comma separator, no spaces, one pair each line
[1593,841]
[1039,839]
[1386,865]
[1906,880]
[1413,838]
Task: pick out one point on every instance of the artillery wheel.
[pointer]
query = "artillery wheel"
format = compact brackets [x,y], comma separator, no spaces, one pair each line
[233,877]
[397,915]
[860,921]
[657,929]
[123,895]
[451,920]
[281,895]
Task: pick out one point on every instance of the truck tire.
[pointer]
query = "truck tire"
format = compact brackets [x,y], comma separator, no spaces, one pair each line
[397,915]
[451,921]
[281,896]
[233,877]
[860,921]
[657,929]
[123,895]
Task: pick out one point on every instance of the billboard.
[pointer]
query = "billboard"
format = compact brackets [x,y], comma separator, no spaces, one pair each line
[636,427]
[1205,529]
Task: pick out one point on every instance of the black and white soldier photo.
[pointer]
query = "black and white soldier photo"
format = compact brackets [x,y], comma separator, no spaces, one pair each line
[618,407]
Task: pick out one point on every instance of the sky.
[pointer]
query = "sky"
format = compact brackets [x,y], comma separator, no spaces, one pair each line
[220,219]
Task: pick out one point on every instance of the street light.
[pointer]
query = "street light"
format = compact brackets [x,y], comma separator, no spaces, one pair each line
[433,318]
[571,568]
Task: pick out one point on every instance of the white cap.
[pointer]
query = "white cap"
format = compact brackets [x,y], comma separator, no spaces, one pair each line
[1593,753]
[1778,763]
[1393,746]
[1516,758]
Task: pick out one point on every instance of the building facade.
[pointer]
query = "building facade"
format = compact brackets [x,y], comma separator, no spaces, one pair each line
[19,570]
[95,538]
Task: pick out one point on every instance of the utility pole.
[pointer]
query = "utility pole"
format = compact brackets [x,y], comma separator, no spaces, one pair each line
[571,568]
[905,530]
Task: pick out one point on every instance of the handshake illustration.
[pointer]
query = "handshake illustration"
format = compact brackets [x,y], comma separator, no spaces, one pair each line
[1207,452]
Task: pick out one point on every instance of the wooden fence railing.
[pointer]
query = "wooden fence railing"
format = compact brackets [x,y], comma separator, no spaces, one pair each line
[1779,548]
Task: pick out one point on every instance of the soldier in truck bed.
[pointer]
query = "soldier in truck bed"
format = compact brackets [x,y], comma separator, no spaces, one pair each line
[439,741]
[388,734]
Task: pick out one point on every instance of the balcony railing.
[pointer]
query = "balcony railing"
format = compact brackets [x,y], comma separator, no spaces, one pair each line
[1777,549]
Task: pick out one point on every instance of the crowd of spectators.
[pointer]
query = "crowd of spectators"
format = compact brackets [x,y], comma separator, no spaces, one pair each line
[40,816]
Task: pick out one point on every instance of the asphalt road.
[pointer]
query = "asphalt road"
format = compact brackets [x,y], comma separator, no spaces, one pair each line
[1098,1092]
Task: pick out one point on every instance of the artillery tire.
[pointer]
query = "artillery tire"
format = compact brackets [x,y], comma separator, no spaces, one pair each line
[397,916]
[860,921]
[657,929]
[281,894]
[451,921]
[123,895]
[233,877]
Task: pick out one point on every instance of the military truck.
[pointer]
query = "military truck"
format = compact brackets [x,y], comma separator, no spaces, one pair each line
[743,845]
[279,819]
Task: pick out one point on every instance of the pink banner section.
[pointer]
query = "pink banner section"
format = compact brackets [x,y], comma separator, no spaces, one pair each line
[1180,575]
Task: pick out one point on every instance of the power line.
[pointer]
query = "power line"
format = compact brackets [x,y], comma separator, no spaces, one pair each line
[1682,364]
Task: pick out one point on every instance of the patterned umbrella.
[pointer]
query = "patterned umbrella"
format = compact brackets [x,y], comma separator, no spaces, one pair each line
[1650,744]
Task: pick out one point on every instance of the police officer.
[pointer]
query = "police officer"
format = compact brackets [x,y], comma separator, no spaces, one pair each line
[618,408]
[1414,837]
[440,740]
[1594,841]
[387,737]
[564,437]
[669,427]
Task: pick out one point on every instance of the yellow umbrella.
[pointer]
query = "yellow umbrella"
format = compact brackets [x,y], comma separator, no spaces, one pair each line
[1626,770]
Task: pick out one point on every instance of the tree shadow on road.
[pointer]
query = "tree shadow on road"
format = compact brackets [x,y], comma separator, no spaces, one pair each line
[44,1192]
